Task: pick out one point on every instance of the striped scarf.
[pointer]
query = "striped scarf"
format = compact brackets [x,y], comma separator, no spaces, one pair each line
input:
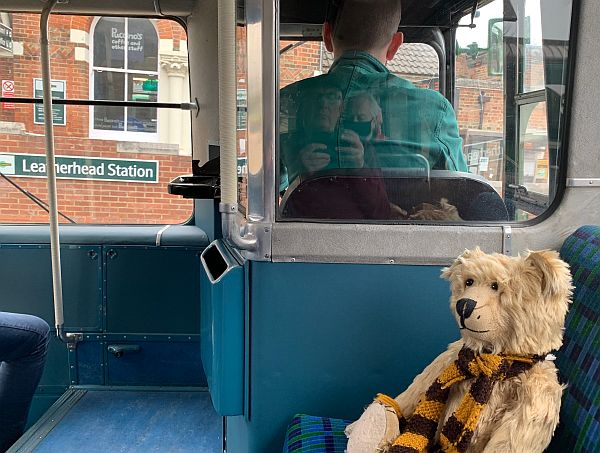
[418,432]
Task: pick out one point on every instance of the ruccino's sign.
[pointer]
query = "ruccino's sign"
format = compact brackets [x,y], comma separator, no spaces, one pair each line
[80,167]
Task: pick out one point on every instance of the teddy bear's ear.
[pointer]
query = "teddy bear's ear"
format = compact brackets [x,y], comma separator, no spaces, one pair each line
[554,272]
[448,272]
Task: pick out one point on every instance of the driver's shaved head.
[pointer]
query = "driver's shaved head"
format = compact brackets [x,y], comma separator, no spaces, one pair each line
[364,24]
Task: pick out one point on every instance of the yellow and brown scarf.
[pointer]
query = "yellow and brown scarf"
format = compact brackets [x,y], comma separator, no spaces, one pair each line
[418,432]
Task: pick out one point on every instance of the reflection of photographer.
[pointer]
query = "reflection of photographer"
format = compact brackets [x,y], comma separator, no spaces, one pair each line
[320,142]
[363,116]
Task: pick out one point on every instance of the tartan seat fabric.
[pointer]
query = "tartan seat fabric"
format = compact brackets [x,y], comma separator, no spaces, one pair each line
[578,360]
[307,433]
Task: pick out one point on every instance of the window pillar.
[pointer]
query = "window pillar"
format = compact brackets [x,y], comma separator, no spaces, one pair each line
[176,68]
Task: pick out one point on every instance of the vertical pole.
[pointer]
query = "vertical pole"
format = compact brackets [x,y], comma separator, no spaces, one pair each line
[51,171]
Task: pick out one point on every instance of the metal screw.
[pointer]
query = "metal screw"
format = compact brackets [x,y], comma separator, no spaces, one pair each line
[266,230]
[293,260]
[392,261]
[266,255]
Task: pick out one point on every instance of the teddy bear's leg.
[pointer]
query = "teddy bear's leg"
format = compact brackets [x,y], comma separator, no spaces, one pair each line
[374,431]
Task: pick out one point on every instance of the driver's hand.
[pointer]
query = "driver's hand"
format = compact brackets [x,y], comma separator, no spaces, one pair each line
[313,156]
[352,151]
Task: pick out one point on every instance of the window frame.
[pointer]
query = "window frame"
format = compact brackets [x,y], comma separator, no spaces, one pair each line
[125,135]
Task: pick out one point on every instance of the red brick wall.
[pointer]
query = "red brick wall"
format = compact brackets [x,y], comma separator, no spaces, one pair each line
[300,62]
[92,201]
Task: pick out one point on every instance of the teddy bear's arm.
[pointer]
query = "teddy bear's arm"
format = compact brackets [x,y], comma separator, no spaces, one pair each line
[410,397]
[528,426]
[378,426]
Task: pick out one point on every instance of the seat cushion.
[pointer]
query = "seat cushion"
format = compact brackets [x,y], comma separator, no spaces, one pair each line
[578,360]
[315,434]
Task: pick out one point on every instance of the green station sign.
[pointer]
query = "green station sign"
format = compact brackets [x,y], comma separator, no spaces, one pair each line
[58,88]
[80,167]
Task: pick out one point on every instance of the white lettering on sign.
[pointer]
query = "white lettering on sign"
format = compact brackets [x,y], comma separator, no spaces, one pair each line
[131,171]
[135,40]
[66,169]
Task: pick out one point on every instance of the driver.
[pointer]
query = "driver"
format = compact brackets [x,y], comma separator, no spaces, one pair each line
[363,35]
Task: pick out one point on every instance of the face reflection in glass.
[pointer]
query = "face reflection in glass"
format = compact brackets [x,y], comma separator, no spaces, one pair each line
[362,114]
[324,110]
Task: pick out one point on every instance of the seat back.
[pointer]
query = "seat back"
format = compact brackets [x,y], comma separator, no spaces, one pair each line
[578,360]
[366,194]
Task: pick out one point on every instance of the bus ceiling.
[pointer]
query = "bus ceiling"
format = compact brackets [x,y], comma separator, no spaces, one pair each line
[302,19]
[415,12]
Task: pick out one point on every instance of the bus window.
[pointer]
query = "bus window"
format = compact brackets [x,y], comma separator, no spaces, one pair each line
[373,140]
[510,86]
[113,162]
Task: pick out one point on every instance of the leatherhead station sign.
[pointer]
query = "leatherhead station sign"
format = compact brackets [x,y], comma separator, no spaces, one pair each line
[80,167]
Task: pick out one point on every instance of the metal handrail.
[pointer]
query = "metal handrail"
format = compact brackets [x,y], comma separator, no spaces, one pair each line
[52,198]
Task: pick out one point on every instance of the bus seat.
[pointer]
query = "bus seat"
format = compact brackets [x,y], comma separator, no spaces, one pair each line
[578,360]
[307,433]
[337,194]
[366,194]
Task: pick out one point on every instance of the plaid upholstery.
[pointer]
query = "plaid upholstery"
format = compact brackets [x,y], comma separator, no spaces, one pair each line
[315,434]
[578,360]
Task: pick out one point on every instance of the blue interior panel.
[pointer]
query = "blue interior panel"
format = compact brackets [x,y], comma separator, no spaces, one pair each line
[89,361]
[325,338]
[222,327]
[56,370]
[174,362]
[152,289]
[27,283]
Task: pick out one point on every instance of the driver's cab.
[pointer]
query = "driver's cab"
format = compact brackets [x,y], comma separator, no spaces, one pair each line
[415,116]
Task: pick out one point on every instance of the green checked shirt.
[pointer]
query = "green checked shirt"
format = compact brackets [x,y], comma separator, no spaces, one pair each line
[399,124]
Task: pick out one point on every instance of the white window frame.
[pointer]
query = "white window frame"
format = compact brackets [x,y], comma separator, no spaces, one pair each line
[124,135]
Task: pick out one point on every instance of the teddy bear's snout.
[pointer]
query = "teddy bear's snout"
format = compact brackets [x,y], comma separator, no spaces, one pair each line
[465,307]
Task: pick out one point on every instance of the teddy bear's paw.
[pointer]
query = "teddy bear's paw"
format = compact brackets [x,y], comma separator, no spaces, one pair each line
[373,431]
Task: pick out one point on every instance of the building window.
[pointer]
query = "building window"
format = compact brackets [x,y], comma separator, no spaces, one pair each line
[124,68]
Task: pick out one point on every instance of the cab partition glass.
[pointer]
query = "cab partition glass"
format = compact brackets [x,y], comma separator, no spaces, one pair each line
[369,132]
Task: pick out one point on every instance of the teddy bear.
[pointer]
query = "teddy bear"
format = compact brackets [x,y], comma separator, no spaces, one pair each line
[496,389]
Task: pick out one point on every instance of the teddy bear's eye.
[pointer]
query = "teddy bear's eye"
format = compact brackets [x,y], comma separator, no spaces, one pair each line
[469,282]
[495,286]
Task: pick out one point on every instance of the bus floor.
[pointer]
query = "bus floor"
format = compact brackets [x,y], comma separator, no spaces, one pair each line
[94,420]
